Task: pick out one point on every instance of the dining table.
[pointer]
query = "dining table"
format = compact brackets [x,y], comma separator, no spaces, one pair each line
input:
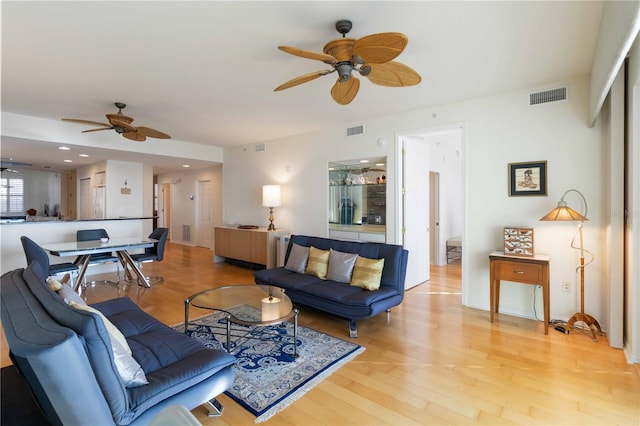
[83,250]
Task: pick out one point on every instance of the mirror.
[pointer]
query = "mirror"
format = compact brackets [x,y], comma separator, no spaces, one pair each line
[357,192]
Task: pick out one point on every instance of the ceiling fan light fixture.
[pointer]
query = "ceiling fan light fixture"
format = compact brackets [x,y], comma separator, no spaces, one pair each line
[365,70]
[344,70]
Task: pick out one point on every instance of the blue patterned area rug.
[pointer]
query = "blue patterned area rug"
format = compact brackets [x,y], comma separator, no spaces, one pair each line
[267,376]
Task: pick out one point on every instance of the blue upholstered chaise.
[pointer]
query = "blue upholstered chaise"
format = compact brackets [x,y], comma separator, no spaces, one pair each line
[342,299]
[66,357]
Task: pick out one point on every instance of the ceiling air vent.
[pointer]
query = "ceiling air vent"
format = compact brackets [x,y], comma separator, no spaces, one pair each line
[546,96]
[356,130]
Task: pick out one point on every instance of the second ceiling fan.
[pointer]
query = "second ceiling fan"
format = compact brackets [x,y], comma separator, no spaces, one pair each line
[371,56]
[122,125]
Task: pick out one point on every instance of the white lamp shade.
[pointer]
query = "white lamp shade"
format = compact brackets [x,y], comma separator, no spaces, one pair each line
[271,195]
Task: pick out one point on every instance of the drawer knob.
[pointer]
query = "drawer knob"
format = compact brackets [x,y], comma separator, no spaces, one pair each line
[518,272]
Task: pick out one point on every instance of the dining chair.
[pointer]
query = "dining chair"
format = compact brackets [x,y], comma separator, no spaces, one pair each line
[99,258]
[155,253]
[35,253]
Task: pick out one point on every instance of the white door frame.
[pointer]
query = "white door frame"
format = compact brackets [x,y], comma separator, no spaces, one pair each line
[399,173]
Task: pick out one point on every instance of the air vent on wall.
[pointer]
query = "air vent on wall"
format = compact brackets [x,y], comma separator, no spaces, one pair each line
[546,96]
[356,130]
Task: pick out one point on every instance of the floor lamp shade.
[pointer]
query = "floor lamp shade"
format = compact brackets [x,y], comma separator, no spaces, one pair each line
[271,199]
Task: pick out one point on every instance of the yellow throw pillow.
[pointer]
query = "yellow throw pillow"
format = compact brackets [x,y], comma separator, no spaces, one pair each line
[367,273]
[318,263]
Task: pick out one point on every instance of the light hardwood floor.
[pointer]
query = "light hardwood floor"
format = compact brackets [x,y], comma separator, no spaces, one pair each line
[431,361]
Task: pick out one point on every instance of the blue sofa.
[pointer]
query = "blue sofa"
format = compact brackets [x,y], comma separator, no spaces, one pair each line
[65,354]
[337,298]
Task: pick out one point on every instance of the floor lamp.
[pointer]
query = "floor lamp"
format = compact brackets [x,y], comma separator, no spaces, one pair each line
[565,213]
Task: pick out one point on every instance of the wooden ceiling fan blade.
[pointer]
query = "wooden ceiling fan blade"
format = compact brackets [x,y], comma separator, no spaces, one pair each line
[93,123]
[344,92]
[393,74]
[95,130]
[301,79]
[152,133]
[308,54]
[380,48]
[134,136]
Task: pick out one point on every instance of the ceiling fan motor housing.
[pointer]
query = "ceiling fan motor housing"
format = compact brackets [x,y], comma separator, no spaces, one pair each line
[344,26]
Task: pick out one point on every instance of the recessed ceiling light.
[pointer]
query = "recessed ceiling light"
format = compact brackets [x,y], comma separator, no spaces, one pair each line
[83,155]
[364,161]
[380,164]
[64,148]
[186,165]
[68,161]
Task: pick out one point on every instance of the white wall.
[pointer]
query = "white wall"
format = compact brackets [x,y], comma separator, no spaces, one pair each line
[500,129]
[632,273]
[131,204]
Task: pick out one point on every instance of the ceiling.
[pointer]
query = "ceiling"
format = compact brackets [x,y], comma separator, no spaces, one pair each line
[204,71]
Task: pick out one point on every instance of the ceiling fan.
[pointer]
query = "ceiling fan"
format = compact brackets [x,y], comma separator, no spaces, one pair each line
[371,56]
[7,163]
[122,125]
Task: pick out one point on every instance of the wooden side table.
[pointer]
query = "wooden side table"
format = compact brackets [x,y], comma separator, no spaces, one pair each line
[526,270]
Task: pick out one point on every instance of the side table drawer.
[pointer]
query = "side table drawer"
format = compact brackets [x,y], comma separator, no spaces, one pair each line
[518,272]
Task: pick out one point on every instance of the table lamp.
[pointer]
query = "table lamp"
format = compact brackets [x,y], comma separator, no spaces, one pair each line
[271,199]
[565,213]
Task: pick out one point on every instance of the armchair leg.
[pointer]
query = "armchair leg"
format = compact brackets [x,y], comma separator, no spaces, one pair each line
[214,407]
[353,330]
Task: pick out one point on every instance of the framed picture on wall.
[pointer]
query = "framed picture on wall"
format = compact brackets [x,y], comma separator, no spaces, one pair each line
[527,179]
[518,241]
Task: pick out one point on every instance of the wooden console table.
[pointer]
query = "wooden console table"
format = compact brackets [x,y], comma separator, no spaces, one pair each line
[256,246]
[526,270]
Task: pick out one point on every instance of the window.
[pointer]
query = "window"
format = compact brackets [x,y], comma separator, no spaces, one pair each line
[11,196]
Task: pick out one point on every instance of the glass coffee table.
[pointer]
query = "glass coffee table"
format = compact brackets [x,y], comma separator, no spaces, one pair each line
[271,306]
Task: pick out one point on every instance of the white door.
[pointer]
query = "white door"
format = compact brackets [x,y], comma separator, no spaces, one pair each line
[415,208]
[204,214]
[86,205]
[99,203]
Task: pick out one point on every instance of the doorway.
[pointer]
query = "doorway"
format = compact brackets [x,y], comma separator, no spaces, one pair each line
[204,222]
[86,212]
[164,208]
[435,155]
[434,217]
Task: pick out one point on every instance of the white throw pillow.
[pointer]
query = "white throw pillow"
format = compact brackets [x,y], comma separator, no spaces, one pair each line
[129,369]
[340,266]
[68,295]
[298,257]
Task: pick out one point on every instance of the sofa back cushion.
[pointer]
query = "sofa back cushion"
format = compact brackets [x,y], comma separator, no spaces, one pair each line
[93,334]
[395,256]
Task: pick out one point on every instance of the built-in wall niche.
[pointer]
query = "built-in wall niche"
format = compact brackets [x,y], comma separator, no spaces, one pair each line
[357,192]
